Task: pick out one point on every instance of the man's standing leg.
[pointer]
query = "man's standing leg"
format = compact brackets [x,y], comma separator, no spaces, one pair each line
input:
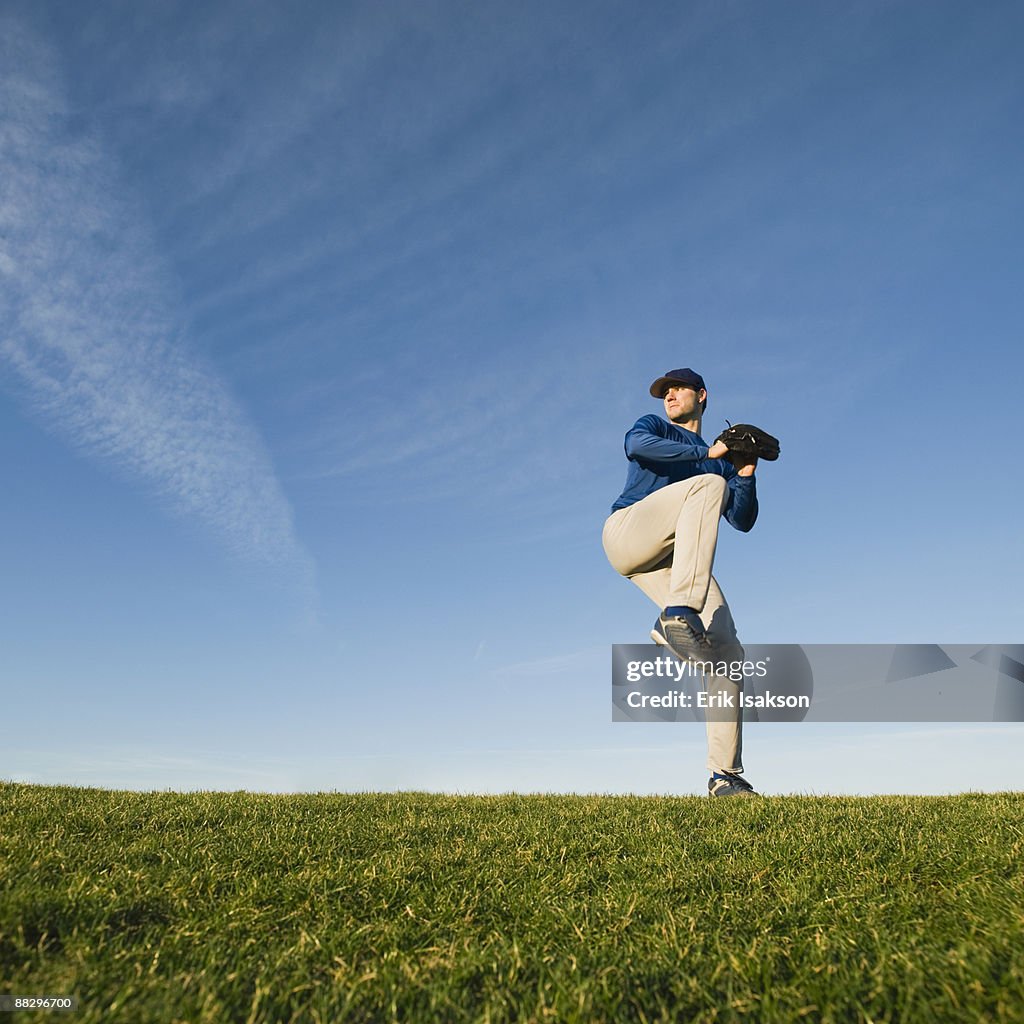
[724,725]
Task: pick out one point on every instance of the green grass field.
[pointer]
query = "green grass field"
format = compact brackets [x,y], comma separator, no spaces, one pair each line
[414,907]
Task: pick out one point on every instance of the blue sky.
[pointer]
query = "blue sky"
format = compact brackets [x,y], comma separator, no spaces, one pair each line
[323,323]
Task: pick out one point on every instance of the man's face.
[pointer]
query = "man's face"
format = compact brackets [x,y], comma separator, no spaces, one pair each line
[682,402]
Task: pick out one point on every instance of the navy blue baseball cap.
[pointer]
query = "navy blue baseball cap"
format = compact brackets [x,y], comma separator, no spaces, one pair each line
[686,376]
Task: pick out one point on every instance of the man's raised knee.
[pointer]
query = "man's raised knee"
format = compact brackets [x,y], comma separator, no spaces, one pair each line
[715,483]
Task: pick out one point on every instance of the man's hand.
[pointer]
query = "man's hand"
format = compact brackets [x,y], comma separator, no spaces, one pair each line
[745,464]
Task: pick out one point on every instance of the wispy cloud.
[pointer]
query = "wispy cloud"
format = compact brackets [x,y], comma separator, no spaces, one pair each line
[140,769]
[556,665]
[90,332]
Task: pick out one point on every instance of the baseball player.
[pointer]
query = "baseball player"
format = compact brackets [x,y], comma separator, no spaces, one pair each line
[662,534]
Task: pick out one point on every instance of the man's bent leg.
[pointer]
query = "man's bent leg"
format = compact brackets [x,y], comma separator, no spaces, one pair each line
[669,538]
[656,584]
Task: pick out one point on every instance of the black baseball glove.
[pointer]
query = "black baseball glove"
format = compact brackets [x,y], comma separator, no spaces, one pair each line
[747,442]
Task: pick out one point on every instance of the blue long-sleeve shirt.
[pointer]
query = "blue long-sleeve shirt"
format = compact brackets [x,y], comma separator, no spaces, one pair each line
[660,453]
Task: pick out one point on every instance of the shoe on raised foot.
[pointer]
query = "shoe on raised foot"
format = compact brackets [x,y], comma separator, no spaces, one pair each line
[727,784]
[658,634]
[684,636]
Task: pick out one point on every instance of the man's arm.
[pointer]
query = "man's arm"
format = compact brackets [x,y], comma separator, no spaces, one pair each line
[644,442]
[741,509]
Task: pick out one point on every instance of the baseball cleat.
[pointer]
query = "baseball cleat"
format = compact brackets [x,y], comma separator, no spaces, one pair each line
[657,635]
[727,784]
[685,637]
